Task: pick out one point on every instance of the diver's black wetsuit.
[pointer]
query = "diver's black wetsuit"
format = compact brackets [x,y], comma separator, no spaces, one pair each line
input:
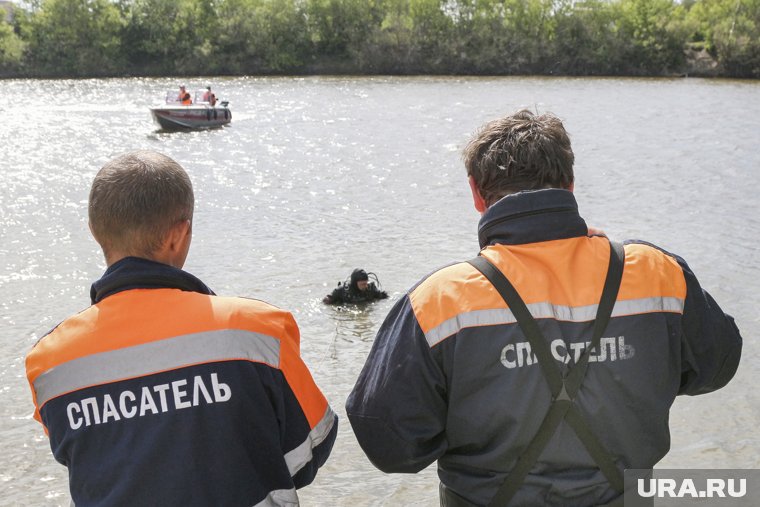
[349,293]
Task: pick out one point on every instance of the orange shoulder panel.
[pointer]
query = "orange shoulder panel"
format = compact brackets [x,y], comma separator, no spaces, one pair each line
[651,273]
[450,291]
[568,272]
[298,376]
[141,316]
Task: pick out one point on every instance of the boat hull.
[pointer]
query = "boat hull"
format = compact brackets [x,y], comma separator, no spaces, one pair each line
[191,117]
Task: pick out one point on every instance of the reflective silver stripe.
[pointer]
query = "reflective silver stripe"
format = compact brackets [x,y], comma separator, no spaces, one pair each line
[548,311]
[646,305]
[469,319]
[280,498]
[301,455]
[154,357]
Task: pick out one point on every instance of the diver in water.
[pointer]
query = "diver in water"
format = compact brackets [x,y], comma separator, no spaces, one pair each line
[357,289]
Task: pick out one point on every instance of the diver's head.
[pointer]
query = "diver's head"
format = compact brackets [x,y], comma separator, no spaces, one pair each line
[359,279]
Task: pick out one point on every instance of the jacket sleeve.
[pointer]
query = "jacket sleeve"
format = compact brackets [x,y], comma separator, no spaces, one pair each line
[308,425]
[397,408]
[377,293]
[710,344]
[335,297]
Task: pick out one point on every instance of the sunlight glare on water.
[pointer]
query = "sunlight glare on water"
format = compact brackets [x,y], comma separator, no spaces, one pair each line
[317,176]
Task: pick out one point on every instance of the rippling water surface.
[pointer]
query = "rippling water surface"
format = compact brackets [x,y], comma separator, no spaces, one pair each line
[316,176]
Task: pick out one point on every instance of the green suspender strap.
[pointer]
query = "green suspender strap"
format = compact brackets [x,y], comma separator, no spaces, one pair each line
[563,388]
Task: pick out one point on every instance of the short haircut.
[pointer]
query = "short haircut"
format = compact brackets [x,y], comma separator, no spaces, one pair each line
[135,199]
[522,151]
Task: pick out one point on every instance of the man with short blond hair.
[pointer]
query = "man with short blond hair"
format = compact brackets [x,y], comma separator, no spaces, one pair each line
[135,201]
[162,393]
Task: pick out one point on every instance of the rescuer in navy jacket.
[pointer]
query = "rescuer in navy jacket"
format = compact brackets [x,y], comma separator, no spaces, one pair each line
[452,377]
[162,393]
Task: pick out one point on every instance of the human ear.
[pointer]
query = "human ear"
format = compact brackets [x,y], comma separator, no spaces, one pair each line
[177,243]
[477,198]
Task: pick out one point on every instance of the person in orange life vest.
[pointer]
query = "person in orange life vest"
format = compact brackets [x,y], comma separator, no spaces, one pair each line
[538,371]
[184,97]
[161,392]
[208,96]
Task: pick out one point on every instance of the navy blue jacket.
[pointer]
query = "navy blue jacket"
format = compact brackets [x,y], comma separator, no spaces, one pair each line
[451,377]
[162,393]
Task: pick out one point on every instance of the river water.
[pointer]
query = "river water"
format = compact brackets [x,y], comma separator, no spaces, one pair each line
[316,176]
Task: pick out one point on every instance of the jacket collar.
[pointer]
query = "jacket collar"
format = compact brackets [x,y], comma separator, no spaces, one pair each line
[530,217]
[137,273]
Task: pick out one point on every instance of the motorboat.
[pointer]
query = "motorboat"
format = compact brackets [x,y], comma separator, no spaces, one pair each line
[201,114]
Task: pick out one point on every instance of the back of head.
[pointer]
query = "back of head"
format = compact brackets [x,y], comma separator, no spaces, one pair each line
[135,199]
[522,151]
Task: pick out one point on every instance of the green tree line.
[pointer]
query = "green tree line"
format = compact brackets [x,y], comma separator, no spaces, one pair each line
[97,38]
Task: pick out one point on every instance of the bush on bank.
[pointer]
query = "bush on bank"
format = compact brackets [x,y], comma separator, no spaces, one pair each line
[98,38]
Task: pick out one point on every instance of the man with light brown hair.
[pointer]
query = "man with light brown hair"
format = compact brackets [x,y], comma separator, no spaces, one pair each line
[538,371]
[162,393]
[516,153]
